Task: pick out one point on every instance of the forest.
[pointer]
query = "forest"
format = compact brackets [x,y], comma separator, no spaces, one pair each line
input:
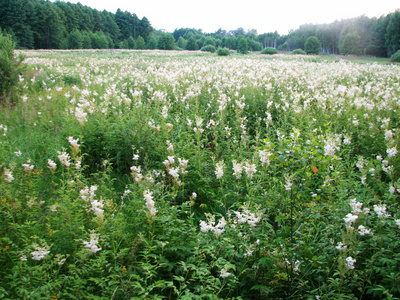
[40,24]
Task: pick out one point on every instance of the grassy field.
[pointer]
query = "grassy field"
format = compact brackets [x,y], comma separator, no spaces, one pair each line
[184,175]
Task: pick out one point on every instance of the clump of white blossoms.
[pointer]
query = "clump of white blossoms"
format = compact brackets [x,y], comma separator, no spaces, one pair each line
[264,157]
[381,211]
[341,247]
[74,144]
[331,145]
[91,246]
[288,182]
[64,158]
[225,273]
[392,151]
[356,207]
[150,204]
[362,230]
[350,263]
[210,225]
[27,167]
[237,169]
[246,217]
[96,205]
[219,169]
[250,169]
[51,165]
[40,252]
[136,173]
[4,128]
[80,115]
[183,165]
[397,222]
[350,219]
[8,175]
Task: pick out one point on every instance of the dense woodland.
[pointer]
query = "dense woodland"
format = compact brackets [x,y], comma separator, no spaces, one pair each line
[39,24]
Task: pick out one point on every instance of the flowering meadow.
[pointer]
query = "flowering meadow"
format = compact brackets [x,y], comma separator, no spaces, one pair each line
[184,175]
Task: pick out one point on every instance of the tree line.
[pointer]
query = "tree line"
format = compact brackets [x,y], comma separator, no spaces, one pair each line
[40,24]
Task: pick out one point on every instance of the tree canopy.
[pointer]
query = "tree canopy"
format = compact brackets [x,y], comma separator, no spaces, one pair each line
[41,24]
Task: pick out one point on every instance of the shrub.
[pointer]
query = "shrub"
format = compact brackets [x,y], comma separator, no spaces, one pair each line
[269,50]
[395,57]
[312,45]
[10,69]
[208,48]
[223,52]
[298,51]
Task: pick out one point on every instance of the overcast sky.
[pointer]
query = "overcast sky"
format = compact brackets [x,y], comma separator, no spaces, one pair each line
[263,15]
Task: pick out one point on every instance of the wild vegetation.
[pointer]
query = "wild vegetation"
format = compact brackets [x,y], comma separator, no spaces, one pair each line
[186,175]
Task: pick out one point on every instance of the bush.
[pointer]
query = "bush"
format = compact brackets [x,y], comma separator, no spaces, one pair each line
[223,52]
[395,57]
[298,51]
[10,69]
[269,50]
[312,45]
[208,48]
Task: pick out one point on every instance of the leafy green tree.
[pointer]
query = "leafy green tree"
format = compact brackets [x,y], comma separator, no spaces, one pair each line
[75,40]
[284,46]
[86,40]
[192,44]
[140,43]
[351,44]
[312,45]
[392,34]
[10,69]
[99,41]
[243,45]
[152,42]
[130,43]
[395,57]
[166,41]
[181,42]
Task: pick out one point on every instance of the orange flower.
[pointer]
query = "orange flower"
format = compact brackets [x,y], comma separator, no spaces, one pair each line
[315,169]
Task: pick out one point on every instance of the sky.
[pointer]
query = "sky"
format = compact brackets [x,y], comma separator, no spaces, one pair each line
[262,15]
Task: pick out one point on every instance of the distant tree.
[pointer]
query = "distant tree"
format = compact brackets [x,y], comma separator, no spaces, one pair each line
[152,42]
[10,69]
[254,45]
[312,45]
[145,29]
[140,43]
[99,40]
[284,47]
[392,34]
[166,42]
[192,44]
[75,40]
[395,57]
[209,41]
[130,43]
[86,40]
[351,44]
[243,45]
[181,42]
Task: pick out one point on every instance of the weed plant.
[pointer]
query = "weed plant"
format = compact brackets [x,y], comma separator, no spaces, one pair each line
[168,175]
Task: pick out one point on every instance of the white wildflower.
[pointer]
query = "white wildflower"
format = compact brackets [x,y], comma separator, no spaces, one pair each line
[350,263]
[8,175]
[362,230]
[237,168]
[219,169]
[392,151]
